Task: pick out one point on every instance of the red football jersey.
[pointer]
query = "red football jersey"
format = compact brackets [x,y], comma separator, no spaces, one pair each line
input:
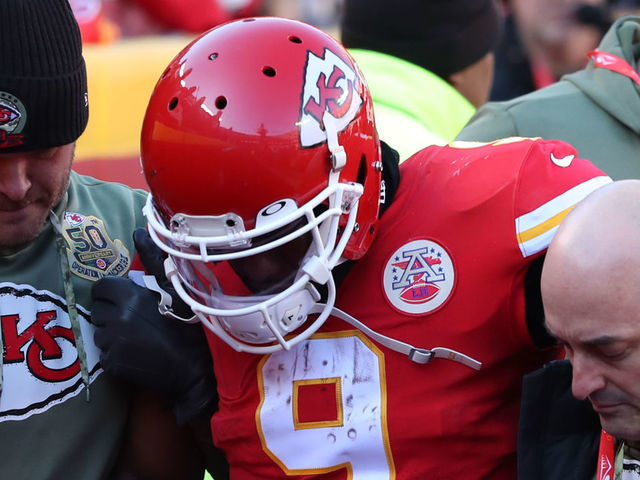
[446,270]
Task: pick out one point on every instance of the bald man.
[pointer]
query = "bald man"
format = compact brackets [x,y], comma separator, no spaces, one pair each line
[591,293]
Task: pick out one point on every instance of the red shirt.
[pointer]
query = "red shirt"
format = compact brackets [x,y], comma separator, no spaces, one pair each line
[446,270]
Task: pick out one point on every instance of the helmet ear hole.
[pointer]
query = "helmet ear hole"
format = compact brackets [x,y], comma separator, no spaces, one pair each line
[362,170]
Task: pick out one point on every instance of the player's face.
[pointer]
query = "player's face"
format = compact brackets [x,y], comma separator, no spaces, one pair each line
[31,183]
[603,344]
[273,270]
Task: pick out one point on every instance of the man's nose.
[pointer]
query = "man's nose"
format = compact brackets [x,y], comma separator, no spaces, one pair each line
[14,179]
[586,377]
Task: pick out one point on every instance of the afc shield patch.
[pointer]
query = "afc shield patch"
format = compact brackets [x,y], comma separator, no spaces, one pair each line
[419,277]
[91,252]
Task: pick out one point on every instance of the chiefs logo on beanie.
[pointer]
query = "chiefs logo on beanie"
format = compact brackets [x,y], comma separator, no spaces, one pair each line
[43,81]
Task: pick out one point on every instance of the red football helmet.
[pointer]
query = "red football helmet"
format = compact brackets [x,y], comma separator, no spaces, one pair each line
[259,143]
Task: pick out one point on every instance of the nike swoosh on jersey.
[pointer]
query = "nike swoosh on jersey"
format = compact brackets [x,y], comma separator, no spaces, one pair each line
[563,162]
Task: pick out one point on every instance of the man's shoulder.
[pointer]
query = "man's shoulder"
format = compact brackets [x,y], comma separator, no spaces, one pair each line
[527,115]
[94,187]
[545,177]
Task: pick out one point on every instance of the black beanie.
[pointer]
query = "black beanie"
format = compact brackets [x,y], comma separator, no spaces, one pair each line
[442,36]
[43,80]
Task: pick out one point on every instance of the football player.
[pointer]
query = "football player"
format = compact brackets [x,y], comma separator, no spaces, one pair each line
[365,320]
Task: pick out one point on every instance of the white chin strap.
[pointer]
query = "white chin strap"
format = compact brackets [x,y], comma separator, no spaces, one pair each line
[415,354]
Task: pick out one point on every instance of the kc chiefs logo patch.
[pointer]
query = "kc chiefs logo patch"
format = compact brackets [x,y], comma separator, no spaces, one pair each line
[419,277]
[41,367]
[13,117]
[330,85]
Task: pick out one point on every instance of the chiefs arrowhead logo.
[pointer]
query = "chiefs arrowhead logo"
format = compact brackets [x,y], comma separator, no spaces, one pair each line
[330,85]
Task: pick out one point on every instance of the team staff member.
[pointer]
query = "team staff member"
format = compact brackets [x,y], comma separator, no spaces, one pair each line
[261,153]
[61,416]
[595,314]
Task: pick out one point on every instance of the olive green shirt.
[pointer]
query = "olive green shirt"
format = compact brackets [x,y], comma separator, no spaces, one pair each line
[48,429]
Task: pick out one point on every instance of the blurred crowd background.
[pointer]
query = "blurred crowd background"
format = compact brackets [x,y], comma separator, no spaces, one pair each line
[105,21]
[128,43]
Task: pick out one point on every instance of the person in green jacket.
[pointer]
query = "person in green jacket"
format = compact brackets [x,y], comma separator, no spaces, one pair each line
[428,64]
[596,109]
[61,416]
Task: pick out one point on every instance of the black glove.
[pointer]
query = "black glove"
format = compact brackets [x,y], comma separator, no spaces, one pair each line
[140,345]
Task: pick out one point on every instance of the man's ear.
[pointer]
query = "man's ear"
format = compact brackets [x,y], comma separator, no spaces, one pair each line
[455,80]
[474,81]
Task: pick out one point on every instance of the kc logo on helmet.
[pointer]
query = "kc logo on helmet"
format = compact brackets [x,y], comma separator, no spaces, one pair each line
[330,85]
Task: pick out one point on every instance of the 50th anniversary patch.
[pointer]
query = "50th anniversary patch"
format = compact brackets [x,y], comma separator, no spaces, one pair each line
[92,253]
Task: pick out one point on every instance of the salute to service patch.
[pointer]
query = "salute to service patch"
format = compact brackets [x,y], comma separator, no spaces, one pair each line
[91,252]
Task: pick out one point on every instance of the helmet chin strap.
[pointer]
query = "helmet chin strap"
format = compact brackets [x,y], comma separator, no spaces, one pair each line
[415,354]
[338,155]
[165,303]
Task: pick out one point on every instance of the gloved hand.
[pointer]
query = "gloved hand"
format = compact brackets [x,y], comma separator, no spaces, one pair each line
[142,346]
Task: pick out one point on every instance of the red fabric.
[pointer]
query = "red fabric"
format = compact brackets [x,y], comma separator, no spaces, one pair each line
[614,63]
[442,420]
[317,403]
[542,74]
[194,16]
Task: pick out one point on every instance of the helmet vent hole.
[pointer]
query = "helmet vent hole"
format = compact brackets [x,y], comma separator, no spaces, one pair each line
[269,71]
[230,223]
[221,103]
[173,103]
[294,39]
[213,56]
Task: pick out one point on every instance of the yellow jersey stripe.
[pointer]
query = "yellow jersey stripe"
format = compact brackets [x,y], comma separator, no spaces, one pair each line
[535,229]
[544,226]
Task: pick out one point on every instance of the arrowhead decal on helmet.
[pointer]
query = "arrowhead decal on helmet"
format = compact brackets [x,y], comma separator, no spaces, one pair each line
[329,86]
